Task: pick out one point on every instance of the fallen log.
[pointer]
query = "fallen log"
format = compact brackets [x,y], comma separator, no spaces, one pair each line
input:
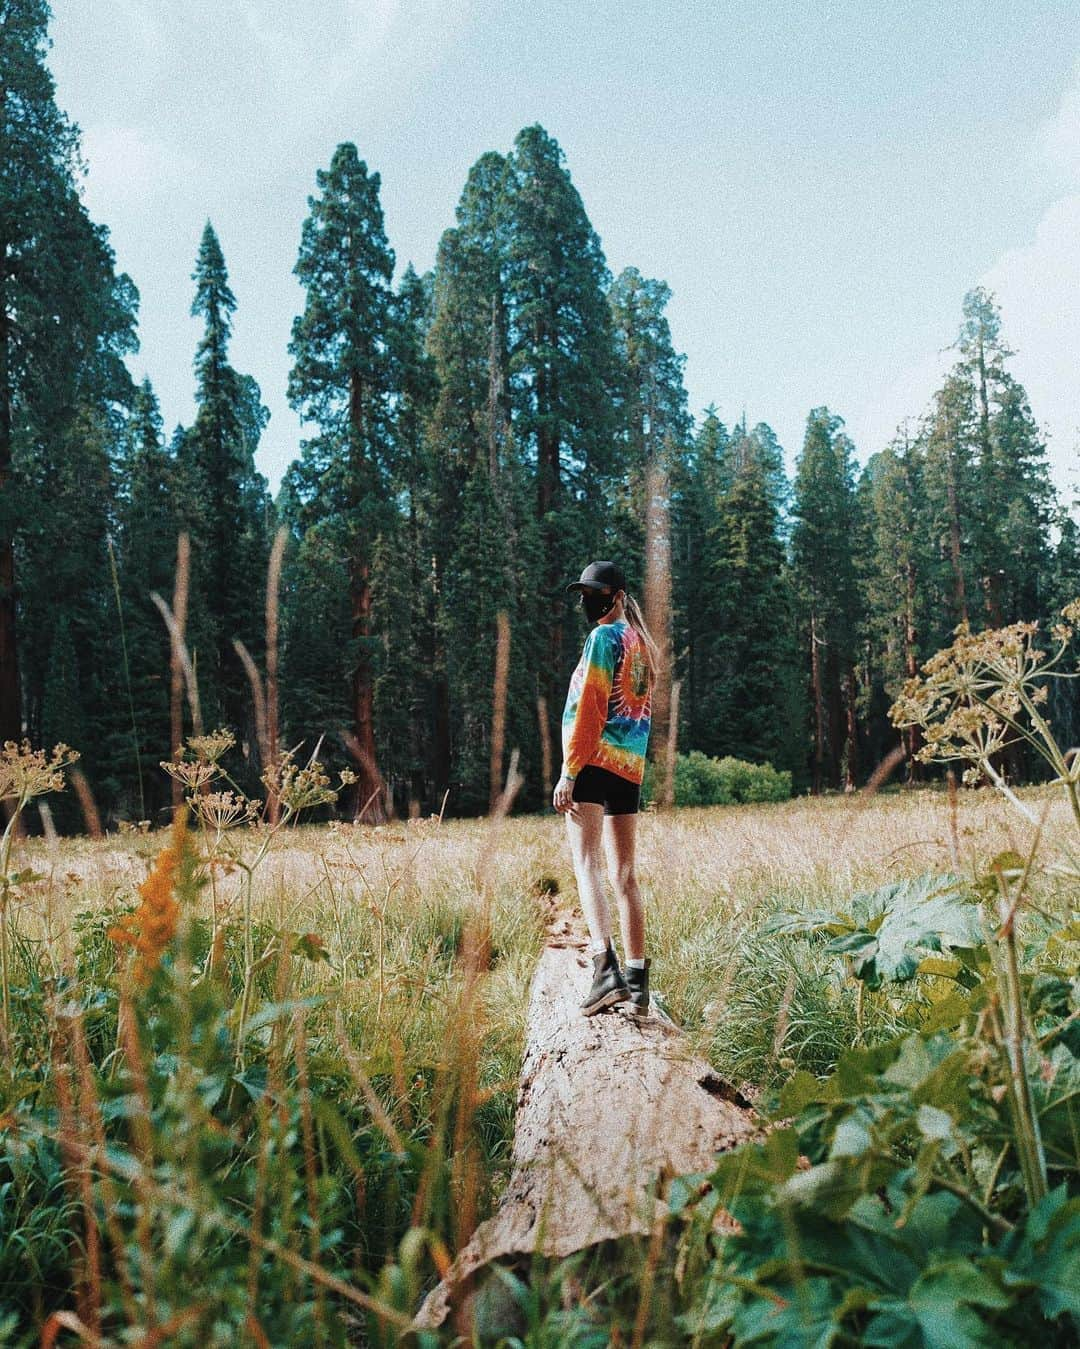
[608,1108]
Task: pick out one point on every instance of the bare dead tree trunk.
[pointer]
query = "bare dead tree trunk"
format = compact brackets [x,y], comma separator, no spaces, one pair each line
[545,746]
[672,745]
[273,584]
[658,610]
[176,670]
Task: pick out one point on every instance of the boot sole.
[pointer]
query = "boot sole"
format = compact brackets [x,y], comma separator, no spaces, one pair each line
[616,995]
[635,1010]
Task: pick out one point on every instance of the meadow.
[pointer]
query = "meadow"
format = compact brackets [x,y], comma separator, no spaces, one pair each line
[279,1126]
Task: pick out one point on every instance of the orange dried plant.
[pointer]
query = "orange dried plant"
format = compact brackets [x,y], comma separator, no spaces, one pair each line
[153,924]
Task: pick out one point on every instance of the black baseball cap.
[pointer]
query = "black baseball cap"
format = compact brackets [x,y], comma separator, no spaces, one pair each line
[600,576]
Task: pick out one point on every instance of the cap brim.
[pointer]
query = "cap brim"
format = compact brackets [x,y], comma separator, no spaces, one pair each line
[587,585]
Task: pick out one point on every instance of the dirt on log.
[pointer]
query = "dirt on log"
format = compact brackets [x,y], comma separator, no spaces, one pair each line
[608,1108]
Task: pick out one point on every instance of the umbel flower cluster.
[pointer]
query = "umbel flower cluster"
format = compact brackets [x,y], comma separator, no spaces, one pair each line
[26,773]
[296,788]
[970,698]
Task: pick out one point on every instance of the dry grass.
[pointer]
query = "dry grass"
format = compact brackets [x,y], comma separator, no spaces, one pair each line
[707,875]
[691,863]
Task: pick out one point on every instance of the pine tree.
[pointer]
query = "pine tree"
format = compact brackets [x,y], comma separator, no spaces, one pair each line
[148,529]
[66,319]
[473,453]
[655,438]
[949,475]
[826,577]
[755,686]
[699,483]
[404,605]
[898,604]
[225,505]
[562,371]
[343,380]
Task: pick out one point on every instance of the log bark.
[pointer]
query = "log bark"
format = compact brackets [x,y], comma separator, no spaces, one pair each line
[608,1108]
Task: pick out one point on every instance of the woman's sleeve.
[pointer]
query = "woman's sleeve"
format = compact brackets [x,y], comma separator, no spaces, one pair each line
[592,708]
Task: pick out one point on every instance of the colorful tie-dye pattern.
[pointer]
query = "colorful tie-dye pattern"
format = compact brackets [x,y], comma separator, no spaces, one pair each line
[609,704]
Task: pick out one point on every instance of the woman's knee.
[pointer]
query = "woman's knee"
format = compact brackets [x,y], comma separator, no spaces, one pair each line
[624,879]
[593,868]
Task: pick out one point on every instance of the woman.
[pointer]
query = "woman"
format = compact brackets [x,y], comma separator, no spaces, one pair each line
[605,731]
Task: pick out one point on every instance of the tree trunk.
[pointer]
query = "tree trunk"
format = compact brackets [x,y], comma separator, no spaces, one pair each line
[176,671]
[819,711]
[498,708]
[851,752]
[954,534]
[10,701]
[834,714]
[658,613]
[369,786]
[608,1109]
[911,664]
[547,498]
[498,403]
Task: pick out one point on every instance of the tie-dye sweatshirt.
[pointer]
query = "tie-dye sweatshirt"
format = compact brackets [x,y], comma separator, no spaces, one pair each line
[609,704]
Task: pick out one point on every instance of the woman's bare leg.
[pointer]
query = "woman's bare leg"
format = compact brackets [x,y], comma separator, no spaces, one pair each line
[583,827]
[620,833]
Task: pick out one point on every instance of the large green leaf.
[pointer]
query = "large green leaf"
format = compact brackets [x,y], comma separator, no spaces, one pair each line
[899,924]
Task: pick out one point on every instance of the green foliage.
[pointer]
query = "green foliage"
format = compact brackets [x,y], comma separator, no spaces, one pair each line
[888,933]
[704,781]
[223,500]
[924,1192]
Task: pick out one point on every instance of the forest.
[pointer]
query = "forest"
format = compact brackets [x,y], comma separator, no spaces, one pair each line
[476,433]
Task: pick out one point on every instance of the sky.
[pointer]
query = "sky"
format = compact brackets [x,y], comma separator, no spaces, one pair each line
[818,183]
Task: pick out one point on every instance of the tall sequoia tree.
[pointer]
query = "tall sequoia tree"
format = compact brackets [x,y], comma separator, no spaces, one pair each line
[562,370]
[66,319]
[898,602]
[698,485]
[343,380]
[826,576]
[484,448]
[1014,496]
[404,593]
[655,440]
[758,703]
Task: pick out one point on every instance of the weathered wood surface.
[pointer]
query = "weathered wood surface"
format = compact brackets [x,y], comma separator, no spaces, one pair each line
[607,1106]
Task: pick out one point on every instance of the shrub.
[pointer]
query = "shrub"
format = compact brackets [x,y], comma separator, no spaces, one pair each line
[704,781]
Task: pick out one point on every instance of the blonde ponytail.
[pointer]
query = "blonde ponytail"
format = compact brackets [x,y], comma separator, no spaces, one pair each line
[636,619]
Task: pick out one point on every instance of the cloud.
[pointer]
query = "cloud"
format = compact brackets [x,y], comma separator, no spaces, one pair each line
[1059,136]
[130,169]
[1037,286]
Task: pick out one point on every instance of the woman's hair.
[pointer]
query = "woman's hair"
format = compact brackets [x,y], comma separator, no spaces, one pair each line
[636,619]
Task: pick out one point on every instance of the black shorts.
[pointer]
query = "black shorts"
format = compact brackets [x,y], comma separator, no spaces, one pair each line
[618,796]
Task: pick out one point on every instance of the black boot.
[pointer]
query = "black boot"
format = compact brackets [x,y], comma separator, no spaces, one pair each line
[637,981]
[608,985]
